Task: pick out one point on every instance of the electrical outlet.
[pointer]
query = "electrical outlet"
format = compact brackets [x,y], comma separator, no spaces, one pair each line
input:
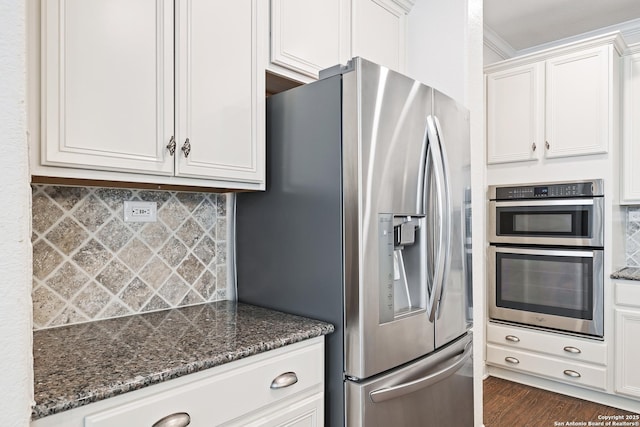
[140,211]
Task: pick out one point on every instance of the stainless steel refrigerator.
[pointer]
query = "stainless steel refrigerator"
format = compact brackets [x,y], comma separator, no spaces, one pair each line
[365,224]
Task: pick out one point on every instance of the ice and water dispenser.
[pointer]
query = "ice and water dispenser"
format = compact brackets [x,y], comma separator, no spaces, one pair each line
[402,253]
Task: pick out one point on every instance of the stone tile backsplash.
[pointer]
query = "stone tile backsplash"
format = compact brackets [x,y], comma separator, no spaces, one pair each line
[89,264]
[633,237]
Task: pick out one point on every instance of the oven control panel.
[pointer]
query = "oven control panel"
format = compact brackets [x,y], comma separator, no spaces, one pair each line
[543,191]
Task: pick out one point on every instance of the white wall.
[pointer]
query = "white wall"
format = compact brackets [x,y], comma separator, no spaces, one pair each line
[16,381]
[437,45]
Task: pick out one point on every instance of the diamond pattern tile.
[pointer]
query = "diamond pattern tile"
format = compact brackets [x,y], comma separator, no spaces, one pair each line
[89,264]
[92,213]
[190,233]
[45,212]
[115,235]
[67,236]
[633,240]
[154,234]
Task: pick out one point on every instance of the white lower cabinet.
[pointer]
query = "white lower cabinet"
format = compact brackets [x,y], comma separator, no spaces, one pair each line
[627,348]
[291,413]
[559,357]
[244,392]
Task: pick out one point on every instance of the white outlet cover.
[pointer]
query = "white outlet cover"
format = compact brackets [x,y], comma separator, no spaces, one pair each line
[140,211]
[634,215]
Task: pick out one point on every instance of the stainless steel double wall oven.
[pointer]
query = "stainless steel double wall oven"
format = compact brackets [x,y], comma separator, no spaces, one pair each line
[546,256]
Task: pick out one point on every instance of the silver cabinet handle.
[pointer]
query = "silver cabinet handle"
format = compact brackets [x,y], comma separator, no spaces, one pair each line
[570,349]
[186,148]
[171,146]
[512,338]
[533,147]
[572,374]
[284,380]
[511,360]
[179,419]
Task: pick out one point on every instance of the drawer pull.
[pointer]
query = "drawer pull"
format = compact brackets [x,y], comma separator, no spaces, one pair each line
[570,349]
[179,419]
[284,380]
[512,338]
[572,374]
[511,360]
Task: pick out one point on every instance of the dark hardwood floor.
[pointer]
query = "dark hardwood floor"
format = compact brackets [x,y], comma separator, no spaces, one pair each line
[509,404]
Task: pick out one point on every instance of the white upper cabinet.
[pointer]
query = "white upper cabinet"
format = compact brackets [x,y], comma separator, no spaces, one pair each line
[379,32]
[107,85]
[579,108]
[307,36]
[558,103]
[110,69]
[631,130]
[220,111]
[515,110]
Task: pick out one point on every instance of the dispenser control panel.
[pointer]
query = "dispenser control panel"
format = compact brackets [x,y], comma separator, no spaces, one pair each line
[386,273]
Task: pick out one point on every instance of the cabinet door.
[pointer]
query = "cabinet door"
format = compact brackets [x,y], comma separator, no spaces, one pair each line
[107,84]
[631,130]
[578,107]
[307,412]
[220,91]
[627,348]
[309,35]
[378,31]
[515,114]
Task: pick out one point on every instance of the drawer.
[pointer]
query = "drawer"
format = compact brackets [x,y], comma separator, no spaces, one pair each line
[556,345]
[224,396]
[627,294]
[592,376]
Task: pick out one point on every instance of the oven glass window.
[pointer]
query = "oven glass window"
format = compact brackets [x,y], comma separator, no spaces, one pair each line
[557,285]
[552,221]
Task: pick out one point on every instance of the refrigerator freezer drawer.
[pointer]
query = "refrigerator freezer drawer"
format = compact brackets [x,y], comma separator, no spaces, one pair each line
[433,391]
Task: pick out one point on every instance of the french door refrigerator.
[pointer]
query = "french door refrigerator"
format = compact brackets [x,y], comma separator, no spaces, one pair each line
[365,224]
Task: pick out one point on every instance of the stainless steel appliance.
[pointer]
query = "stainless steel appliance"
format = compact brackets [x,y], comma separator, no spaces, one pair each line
[546,256]
[363,225]
[558,214]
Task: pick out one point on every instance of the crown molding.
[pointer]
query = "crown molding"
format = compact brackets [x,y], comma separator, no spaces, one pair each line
[497,44]
[614,39]
[406,5]
[630,31]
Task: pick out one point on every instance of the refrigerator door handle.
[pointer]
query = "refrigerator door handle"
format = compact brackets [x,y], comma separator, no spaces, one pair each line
[448,215]
[443,208]
[389,393]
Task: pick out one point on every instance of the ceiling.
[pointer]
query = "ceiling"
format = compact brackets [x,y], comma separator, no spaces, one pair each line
[527,23]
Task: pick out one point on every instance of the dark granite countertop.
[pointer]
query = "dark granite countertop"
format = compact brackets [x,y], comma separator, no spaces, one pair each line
[79,364]
[627,273]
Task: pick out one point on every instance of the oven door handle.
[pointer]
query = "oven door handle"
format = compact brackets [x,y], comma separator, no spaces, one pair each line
[546,202]
[546,252]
